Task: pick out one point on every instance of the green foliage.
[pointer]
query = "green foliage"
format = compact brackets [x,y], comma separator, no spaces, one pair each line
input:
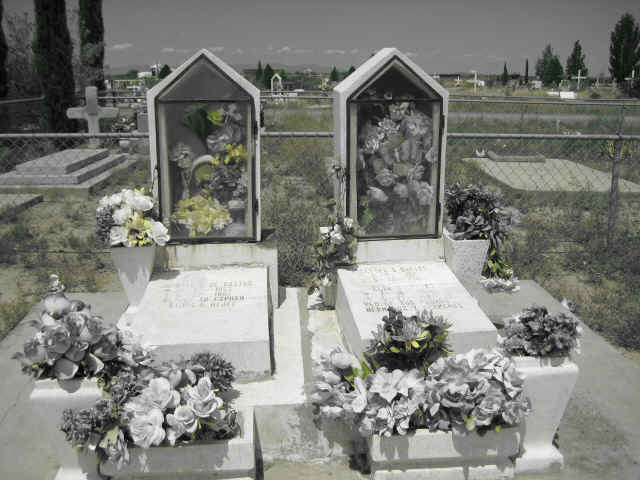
[624,49]
[406,342]
[534,332]
[496,266]
[505,75]
[335,247]
[266,77]
[164,71]
[334,76]
[4,50]
[12,312]
[543,62]
[475,213]
[91,29]
[52,57]
[553,72]
[575,62]
[526,71]
[259,73]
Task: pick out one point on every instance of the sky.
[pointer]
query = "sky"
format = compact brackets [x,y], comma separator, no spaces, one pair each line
[441,36]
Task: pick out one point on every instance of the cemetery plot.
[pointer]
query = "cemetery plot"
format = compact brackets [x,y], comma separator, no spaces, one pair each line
[552,175]
[223,310]
[365,294]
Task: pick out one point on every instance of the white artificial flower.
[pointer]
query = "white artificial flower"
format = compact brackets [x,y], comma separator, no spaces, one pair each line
[140,202]
[219,223]
[324,230]
[337,237]
[118,235]
[121,215]
[104,203]
[115,200]
[159,233]
[348,222]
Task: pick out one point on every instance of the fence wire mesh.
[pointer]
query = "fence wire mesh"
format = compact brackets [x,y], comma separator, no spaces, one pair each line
[559,183]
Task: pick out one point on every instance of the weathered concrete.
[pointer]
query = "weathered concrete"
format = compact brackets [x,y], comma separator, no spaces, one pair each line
[552,175]
[62,162]
[465,258]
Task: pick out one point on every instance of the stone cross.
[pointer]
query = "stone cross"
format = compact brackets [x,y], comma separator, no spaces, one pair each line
[579,77]
[92,112]
[458,81]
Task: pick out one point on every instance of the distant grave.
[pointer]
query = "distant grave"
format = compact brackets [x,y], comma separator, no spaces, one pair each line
[536,158]
[550,175]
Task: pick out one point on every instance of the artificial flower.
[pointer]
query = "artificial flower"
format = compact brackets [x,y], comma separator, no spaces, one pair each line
[146,429]
[202,399]
[181,421]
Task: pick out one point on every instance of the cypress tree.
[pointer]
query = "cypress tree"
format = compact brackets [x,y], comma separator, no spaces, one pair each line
[91,29]
[526,72]
[4,80]
[259,73]
[624,50]
[52,51]
[266,77]
[333,76]
[505,75]
[575,62]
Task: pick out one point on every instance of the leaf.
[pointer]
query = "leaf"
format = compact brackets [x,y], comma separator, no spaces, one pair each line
[110,438]
[415,344]
[395,350]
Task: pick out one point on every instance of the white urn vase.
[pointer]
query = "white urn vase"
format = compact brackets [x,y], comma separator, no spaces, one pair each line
[134,266]
[465,258]
[548,383]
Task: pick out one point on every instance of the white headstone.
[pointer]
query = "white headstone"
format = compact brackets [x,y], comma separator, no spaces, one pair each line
[365,294]
[223,310]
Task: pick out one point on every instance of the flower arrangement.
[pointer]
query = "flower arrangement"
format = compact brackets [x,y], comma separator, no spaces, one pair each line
[477,391]
[121,220]
[201,214]
[72,342]
[163,411]
[335,246]
[396,155]
[413,341]
[536,333]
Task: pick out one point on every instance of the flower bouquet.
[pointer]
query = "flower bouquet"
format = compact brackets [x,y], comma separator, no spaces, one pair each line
[72,342]
[536,333]
[173,404]
[201,214]
[121,220]
[335,247]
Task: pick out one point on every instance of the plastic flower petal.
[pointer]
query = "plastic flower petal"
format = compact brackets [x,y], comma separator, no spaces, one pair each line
[146,429]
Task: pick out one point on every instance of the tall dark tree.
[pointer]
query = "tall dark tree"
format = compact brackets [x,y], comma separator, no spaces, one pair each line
[553,72]
[266,76]
[259,73]
[334,76]
[52,51]
[164,71]
[526,72]
[505,75]
[543,61]
[4,78]
[624,50]
[575,62]
[91,30]
[351,70]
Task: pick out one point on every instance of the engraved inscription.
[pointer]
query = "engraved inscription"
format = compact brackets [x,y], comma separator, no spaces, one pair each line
[200,292]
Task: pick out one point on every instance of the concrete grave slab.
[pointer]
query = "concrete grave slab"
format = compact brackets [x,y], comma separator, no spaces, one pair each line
[552,175]
[364,294]
[62,162]
[224,310]
[11,204]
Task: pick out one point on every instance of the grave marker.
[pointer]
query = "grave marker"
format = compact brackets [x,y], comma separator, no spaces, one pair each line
[92,112]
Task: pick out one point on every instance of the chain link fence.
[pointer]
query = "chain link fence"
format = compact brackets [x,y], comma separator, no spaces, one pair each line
[560,185]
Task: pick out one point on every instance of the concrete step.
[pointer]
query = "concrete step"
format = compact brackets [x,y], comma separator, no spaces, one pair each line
[83,190]
[63,162]
[78,176]
[11,204]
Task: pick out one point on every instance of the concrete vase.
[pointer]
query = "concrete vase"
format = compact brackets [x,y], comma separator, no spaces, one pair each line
[444,455]
[49,399]
[217,459]
[134,266]
[328,293]
[466,258]
[548,382]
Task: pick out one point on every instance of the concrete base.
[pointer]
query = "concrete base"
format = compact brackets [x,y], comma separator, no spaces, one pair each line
[401,250]
[12,204]
[548,383]
[223,310]
[466,258]
[49,399]
[365,293]
[444,455]
[221,459]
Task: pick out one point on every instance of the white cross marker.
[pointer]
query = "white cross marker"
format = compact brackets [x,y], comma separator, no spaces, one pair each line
[579,77]
[92,112]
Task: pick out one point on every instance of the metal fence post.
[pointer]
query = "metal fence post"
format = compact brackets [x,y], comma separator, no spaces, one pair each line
[613,193]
